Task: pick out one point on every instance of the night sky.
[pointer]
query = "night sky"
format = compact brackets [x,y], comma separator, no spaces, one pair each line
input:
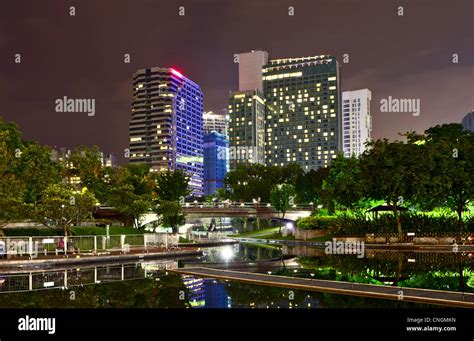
[82,56]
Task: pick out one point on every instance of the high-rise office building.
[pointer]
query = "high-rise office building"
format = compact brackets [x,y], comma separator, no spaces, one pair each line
[246,128]
[214,122]
[303,119]
[356,121]
[166,129]
[468,121]
[250,70]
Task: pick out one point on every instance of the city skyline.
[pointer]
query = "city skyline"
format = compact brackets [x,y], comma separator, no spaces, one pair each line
[95,67]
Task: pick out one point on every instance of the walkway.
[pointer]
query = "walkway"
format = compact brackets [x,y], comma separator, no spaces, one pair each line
[447,298]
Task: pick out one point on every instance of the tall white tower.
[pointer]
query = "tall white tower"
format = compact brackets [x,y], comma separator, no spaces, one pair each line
[356,121]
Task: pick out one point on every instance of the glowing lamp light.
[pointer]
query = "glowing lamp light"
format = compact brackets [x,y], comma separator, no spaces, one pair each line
[176,73]
[227,253]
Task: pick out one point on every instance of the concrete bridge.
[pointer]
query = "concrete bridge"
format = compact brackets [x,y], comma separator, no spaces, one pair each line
[242,210]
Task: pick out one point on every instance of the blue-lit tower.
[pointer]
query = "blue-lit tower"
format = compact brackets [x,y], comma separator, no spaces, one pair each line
[166,127]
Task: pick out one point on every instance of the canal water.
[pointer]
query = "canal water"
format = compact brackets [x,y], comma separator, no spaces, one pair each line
[150,284]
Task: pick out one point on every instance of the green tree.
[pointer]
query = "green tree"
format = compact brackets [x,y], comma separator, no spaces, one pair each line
[62,206]
[37,170]
[131,191]
[344,181]
[253,181]
[451,182]
[311,187]
[395,172]
[171,185]
[12,189]
[171,214]
[85,162]
[281,197]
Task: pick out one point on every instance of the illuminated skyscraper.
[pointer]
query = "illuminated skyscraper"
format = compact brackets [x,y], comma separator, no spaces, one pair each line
[356,121]
[166,129]
[303,120]
[246,128]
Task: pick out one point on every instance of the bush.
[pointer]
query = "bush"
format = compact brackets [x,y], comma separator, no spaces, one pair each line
[411,222]
[316,223]
[32,231]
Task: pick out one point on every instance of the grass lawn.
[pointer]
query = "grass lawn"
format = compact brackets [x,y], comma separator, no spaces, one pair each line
[322,238]
[272,233]
[277,236]
[264,246]
[258,233]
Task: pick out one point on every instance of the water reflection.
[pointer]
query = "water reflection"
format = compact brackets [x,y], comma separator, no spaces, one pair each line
[149,284]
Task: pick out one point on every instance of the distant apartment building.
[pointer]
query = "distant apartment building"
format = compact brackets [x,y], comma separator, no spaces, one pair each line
[108,160]
[303,118]
[166,128]
[214,122]
[468,121]
[64,155]
[356,121]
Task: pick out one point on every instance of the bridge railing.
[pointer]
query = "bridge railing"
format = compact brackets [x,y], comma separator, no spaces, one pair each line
[225,204]
[215,235]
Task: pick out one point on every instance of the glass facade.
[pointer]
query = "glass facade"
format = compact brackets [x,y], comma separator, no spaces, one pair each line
[166,128]
[215,161]
[246,128]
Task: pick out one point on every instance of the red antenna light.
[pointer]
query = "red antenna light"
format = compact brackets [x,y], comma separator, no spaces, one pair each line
[176,73]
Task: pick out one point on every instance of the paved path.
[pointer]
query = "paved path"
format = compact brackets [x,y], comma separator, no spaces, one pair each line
[439,297]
